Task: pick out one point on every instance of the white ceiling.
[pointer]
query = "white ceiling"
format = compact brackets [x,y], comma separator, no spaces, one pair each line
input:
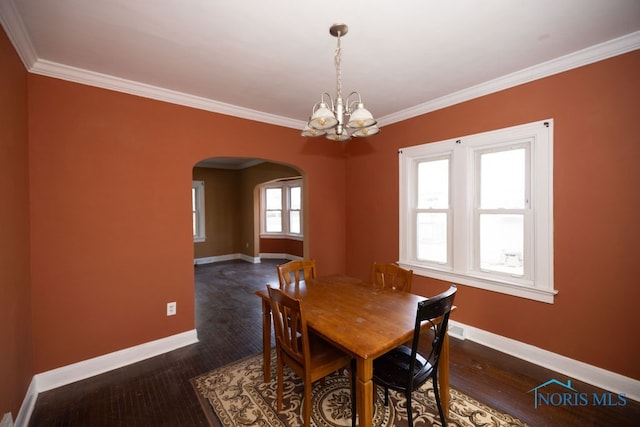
[271,60]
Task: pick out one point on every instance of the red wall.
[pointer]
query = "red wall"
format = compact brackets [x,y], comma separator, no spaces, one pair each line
[109,210]
[281,246]
[15,282]
[596,112]
[111,220]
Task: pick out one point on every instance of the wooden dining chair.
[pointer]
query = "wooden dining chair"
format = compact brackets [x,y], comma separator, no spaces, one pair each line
[391,275]
[308,355]
[404,369]
[295,271]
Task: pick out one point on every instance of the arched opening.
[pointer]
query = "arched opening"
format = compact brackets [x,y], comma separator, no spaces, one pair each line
[227,215]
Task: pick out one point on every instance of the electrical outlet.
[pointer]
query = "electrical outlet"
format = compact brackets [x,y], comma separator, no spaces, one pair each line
[171,309]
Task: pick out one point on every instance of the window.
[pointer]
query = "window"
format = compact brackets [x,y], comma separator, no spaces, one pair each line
[478,210]
[197,209]
[281,206]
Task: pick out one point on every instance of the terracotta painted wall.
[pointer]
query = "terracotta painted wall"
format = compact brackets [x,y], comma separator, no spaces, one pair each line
[596,110]
[15,282]
[281,246]
[111,212]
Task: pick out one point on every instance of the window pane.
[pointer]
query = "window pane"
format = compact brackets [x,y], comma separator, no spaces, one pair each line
[294,222]
[274,198]
[274,221]
[432,237]
[193,199]
[294,192]
[195,225]
[502,243]
[433,184]
[502,179]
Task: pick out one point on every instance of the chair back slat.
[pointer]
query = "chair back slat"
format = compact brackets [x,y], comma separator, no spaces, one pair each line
[436,311]
[392,276]
[296,271]
[290,325]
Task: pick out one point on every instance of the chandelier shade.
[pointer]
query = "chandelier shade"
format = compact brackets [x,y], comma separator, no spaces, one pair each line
[323,117]
[336,119]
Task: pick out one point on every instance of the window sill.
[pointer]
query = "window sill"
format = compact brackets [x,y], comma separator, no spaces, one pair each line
[514,289]
[199,239]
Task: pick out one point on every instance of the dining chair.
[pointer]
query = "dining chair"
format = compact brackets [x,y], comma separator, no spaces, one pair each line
[404,369]
[391,275]
[308,355]
[295,271]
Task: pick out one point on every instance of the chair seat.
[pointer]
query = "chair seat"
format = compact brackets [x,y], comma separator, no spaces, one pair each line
[391,369]
[325,357]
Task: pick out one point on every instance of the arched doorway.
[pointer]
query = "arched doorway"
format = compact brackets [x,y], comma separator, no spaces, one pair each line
[228,219]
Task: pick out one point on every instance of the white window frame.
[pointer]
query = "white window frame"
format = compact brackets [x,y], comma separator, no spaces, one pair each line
[197,188]
[285,186]
[462,266]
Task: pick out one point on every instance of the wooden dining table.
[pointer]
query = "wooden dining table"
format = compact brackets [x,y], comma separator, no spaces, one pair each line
[362,320]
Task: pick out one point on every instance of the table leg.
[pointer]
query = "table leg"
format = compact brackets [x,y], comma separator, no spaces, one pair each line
[364,391]
[443,376]
[266,340]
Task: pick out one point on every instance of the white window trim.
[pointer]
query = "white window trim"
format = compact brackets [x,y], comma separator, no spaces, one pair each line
[462,151]
[200,215]
[284,185]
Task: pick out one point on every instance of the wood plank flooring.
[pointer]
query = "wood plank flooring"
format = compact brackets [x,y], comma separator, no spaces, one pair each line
[157,391]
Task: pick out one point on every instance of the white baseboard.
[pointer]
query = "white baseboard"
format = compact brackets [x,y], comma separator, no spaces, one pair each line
[88,368]
[244,257]
[590,374]
[29,402]
[228,257]
[7,420]
[279,256]
[98,365]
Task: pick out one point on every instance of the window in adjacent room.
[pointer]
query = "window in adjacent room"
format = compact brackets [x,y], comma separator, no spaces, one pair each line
[281,208]
[478,211]
[197,209]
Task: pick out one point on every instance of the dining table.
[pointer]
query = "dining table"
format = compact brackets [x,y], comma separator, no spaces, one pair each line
[364,321]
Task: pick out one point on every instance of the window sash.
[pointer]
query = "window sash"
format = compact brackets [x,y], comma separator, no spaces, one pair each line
[289,212]
[534,279]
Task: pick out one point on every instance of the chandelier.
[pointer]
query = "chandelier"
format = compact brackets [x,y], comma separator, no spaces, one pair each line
[338,119]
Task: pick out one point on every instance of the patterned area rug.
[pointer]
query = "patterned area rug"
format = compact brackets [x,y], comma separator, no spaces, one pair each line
[236,395]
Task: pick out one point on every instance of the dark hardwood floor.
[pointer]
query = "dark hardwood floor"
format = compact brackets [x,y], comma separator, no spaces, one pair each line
[157,391]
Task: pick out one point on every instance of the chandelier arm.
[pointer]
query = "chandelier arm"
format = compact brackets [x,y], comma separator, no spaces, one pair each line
[322,98]
[349,103]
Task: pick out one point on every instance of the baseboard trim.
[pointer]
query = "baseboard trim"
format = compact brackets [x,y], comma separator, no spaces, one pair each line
[280,256]
[28,404]
[98,365]
[228,257]
[590,374]
[88,368]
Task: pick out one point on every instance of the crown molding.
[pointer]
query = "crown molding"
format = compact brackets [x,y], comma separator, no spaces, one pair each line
[576,59]
[91,78]
[17,33]
[15,29]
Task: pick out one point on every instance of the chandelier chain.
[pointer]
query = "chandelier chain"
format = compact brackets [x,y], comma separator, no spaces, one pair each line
[338,59]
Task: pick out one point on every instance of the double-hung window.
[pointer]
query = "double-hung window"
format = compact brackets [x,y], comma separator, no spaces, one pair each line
[478,210]
[281,203]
